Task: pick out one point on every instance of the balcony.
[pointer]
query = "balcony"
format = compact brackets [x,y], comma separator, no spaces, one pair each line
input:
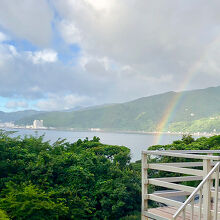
[200,203]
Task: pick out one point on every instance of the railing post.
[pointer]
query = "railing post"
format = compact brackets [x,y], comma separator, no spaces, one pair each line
[144,185]
[216,194]
[211,181]
[207,190]
[200,204]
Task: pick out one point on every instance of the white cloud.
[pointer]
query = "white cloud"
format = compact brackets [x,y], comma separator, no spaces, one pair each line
[16,104]
[128,49]
[13,50]
[28,19]
[65,102]
[34,75]
[69,32]
[46,55]
[3,37]
[7,52]
[100,4]
[154,38]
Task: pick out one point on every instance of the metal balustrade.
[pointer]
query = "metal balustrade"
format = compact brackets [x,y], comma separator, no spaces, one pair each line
[208,206]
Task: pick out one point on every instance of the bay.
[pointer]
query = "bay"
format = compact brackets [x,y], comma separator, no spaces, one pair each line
[135,142]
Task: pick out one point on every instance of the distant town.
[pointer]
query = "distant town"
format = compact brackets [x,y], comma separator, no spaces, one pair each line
[39,125]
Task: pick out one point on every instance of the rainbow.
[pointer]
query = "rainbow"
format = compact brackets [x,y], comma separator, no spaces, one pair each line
[190,74]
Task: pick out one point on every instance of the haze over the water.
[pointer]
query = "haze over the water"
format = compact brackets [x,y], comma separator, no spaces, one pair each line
[57,54]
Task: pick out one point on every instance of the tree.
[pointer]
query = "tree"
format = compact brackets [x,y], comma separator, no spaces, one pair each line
[3,215]
[187,139]
[81,180]
[27,201]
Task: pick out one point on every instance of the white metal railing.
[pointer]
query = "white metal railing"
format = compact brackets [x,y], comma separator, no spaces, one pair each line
[199,190]
[203,209]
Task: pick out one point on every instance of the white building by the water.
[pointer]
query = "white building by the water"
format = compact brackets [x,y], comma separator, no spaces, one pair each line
[38,124]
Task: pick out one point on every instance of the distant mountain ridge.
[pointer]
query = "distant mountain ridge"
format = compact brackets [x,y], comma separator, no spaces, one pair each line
[143,114]
[14,116]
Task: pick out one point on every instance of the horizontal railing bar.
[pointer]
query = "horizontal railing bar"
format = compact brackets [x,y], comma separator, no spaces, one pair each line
[180,179]
[156,166]
[190,151]
[171,202]
[164,200]
[174,186]
[184,155]
[175,203]
[153,216]
[196,190]
[186,164]
[171,185]
[195,151]
[171,194]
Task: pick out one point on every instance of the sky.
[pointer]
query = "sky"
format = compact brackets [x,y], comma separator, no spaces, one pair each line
[61,54]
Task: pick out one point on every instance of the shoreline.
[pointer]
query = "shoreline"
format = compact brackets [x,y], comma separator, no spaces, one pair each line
[206,134]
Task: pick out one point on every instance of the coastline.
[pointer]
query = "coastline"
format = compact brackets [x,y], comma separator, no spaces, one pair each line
[206,134]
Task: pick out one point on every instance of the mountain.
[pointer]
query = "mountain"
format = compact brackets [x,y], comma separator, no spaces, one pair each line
[15,116]
[77,108]
[74,109]
[209,124]
[140,114]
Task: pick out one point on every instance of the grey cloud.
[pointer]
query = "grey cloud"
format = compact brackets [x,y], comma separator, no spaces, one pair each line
[16,104]
[129,49]
[153,37]
[20,77]
[55,102]
[96,80]
[95,67]
[28,19]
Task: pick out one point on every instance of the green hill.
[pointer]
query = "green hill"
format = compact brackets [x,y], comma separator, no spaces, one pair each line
[14,116]
[141,114]
[210,124]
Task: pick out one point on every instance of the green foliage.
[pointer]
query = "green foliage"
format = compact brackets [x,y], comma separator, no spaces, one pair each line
[134,216]
[27,201]
[187,139]
[81,180]
[3,215]
[209,124]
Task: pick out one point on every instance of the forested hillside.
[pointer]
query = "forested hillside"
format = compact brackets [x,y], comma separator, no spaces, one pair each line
[209,124]
[14,116]
[141,114]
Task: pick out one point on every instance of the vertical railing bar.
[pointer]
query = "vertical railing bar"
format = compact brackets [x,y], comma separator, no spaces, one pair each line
[206,194]
[144,185]
[192,208]
[203,189]
[184,214]
[200,204]
[212,180]
[207,190]
[216,194]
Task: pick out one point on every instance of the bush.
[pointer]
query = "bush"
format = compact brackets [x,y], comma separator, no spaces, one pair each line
[81,180]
